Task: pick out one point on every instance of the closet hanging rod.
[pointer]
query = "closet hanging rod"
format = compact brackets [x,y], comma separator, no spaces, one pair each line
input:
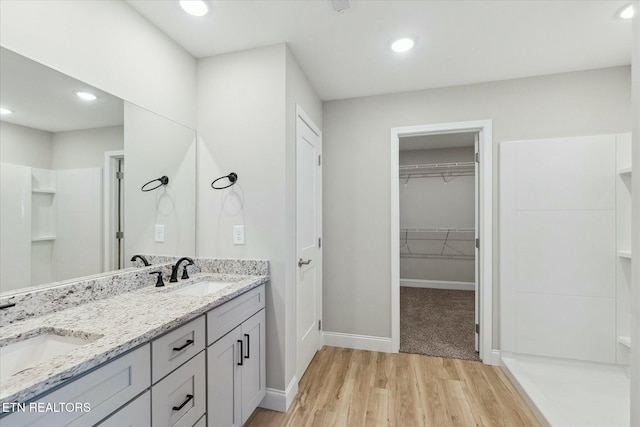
[438,166]
[437,256]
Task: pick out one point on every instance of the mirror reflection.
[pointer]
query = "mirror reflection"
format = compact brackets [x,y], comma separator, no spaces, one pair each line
[69,205]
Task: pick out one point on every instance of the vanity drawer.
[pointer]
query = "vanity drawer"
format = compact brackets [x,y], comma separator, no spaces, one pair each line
[135,414]
[180,398]
[103,391]
[224,318]
[175,348]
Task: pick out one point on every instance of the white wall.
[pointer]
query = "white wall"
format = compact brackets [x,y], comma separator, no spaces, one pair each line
[108,45]
[298,92]
[85,148]
[77,250]
[357,164]
[155,147]
[25,146]
[246,124]
[635,265]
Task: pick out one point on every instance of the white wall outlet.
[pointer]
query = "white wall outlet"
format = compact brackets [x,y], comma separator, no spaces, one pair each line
[159,237]
[238,234]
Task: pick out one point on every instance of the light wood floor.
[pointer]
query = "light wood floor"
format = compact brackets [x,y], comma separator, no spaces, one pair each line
[351,388]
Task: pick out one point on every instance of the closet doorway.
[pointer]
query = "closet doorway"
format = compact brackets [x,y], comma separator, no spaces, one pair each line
[440,197]
[438,194]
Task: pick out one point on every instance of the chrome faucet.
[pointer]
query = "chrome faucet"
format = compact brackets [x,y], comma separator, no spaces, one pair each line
[174,269]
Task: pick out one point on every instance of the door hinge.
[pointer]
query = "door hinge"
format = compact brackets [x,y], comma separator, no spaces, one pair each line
[477,157]
[319,325]
[119,235]
[478,243]
[119,175]
[319,242]
[477,328]
[319,160]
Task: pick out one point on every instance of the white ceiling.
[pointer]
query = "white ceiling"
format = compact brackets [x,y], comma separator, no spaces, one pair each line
[434,142]
[42,98]
[459,42]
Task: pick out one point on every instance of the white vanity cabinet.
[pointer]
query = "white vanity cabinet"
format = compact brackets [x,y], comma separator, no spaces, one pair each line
[236,366]
[103,390]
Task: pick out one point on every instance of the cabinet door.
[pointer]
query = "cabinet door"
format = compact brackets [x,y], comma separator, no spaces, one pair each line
[223,379]
[253,375]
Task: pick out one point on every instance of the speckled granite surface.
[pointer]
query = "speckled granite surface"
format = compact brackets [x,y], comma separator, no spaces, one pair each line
[123,321]
[38,301]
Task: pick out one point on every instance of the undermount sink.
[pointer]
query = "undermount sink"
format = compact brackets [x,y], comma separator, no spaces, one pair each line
[202,288]
[25,354]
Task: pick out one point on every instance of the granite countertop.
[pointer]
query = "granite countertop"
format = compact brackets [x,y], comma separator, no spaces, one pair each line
[122,322]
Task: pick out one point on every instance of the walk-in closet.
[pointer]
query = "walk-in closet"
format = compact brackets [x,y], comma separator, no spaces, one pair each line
[437,181]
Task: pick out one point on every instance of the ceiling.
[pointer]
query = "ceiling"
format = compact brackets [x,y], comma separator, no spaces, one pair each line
[434,142]
[42,98]
[459,42]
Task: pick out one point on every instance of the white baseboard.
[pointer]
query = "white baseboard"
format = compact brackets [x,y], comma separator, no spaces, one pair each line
[279,400]
[493,358]
[438,284]
[357,342]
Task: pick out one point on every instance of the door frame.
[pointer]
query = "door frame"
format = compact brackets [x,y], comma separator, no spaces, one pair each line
[301,115]
[111,159]
[485,174]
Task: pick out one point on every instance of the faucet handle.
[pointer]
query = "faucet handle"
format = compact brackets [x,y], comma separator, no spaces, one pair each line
[159,282]
[185,275]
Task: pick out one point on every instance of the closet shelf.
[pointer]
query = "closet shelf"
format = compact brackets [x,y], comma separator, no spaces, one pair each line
[44,190]
[443,170]
[624,171]
[43,238]
[438,256]
[624,254]
[625,341]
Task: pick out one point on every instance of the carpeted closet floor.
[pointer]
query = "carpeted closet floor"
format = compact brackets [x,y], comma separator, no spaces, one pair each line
[437,322]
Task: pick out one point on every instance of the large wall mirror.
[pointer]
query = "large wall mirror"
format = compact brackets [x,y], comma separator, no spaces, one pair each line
[72,170]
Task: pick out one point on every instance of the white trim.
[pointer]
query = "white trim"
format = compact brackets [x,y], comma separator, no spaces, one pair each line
[357,342]
[110,158]
[305,118]
[438,284]
[485,148]
[525,388]
[278,400]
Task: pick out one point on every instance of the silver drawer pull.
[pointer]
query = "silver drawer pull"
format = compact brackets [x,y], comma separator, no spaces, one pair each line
[182,347]
[301,262]
[189,397]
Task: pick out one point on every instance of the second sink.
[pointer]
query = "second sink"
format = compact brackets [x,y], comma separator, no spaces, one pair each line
[202,288]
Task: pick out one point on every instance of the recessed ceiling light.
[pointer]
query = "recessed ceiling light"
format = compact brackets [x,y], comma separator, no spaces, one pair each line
[5,111]
[403,44]
[86,96]
[194,7]
[627,12]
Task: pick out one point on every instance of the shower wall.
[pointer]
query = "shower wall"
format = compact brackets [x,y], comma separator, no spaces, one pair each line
[558,247]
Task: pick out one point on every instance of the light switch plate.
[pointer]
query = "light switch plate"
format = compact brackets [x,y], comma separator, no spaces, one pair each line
[238,234]
[159,236]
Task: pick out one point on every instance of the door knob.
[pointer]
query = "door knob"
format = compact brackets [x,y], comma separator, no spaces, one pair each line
[301,262]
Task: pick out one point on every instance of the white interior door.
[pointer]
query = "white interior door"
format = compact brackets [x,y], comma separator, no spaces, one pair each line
[308,229]
[477,237]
